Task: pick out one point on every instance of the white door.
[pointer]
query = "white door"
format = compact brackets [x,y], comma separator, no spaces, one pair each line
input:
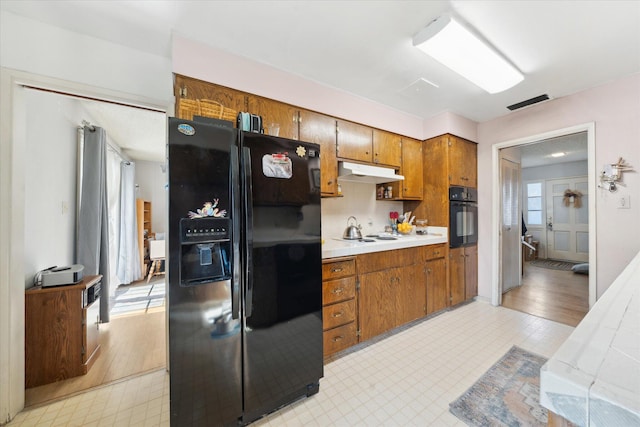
[510,228]
[568,219]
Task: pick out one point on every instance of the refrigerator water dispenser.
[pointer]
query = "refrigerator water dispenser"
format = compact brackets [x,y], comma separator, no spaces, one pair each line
[204,250]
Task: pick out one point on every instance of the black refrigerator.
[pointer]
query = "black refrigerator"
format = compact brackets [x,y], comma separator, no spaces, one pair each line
[244,273]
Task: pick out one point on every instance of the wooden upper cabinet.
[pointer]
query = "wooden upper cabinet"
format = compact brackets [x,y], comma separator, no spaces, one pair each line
[284,115]
[387,149]
[321,129]
[463,163]
[411,169]
[190,89]
[411,187]
[354,141]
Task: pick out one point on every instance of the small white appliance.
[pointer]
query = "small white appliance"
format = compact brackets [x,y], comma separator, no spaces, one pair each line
[66,275]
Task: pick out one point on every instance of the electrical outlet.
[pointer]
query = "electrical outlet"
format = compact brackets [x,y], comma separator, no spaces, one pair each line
[624,202]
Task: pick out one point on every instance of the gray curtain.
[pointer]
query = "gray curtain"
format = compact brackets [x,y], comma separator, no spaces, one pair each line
[92,245]
[128,255]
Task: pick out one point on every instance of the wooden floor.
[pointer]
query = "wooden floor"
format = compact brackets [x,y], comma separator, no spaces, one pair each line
[130,345]
[562,296]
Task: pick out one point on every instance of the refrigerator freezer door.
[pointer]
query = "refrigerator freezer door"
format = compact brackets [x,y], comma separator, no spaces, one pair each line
[205,341]
[283,333]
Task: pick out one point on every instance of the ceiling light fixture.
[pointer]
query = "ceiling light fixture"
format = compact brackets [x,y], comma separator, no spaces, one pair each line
[450,43]
[559,154]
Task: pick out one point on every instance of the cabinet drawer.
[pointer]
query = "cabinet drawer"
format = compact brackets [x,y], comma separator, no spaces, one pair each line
[338,339]
[337,269]
[434,251]
[338,290]
[338,314]
[378,261]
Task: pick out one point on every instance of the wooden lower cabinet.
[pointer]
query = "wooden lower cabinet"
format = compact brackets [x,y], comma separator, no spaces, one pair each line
[339,306]
[340,338]
[410,295]
[463,273]
[435,273]
[367,295]
[61,331]
[338,314]
[391,292]
[471,272]
[377,302]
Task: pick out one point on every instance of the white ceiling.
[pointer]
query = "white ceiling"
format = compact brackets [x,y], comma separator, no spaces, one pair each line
[574,147]
[364,47]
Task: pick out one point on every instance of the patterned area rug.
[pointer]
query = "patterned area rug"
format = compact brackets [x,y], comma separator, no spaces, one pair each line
[508,394]
[139,298]
[553,264]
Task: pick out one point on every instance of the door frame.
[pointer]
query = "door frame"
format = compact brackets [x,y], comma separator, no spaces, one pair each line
[519,231]
[12,205]
[496,293]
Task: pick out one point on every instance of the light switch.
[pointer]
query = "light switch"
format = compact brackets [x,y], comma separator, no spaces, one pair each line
[624,202]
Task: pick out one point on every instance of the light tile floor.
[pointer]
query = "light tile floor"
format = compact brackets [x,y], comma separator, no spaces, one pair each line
[407,379]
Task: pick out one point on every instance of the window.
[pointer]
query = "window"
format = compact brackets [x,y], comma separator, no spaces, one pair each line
[534,203]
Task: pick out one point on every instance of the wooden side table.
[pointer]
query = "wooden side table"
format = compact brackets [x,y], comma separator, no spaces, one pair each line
[61,331]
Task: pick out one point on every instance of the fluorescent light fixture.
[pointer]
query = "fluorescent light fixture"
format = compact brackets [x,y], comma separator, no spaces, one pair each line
[450,43]
[558,154]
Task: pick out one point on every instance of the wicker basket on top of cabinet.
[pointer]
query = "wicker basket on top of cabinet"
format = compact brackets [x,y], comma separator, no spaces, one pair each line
[339,304]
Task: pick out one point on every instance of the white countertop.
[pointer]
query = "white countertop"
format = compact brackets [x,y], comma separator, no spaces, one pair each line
[335,247]
[594,377]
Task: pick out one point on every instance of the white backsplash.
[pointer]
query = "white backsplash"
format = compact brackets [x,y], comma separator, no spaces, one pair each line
[359,200]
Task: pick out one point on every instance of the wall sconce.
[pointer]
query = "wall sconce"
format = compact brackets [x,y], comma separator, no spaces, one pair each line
[611,174]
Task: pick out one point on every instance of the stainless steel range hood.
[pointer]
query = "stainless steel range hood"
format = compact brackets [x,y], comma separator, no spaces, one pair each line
[366,173]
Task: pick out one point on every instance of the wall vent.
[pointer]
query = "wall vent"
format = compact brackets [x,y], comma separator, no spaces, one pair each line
[528,102]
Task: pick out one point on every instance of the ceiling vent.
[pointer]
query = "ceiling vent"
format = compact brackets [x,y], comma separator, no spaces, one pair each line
[528,102]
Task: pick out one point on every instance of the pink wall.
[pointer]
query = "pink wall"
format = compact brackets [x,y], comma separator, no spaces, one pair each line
[615,110]
[450,123]
[217,66]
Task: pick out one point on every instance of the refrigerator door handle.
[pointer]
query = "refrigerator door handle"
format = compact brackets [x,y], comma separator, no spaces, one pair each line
[248,226]
[235,236]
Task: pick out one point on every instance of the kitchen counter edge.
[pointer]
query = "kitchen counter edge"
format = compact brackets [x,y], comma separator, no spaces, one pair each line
[338,248]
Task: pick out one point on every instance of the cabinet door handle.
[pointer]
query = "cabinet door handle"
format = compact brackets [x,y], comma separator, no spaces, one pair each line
[330,182]
[429,270]
[338,314]
[338,338]
[336,270]
[337,291]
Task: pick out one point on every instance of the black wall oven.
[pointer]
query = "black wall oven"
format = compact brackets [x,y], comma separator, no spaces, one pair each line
[463,216]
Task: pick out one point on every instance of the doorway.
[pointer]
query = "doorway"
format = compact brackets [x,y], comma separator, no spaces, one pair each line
[588,131]
[131,343]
